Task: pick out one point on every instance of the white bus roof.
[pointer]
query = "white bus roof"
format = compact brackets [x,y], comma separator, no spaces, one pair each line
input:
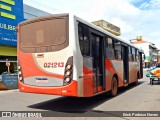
[102,30]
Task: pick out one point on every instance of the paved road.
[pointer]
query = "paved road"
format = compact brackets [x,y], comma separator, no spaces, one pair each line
[140,97]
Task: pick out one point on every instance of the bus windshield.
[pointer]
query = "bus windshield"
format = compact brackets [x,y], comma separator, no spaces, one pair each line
[44,33]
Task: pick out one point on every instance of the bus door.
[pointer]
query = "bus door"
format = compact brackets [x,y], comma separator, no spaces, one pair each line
[98,62]
[141,64]
[125,58]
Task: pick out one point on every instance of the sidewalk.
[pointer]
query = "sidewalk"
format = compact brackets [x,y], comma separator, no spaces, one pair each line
[2,86]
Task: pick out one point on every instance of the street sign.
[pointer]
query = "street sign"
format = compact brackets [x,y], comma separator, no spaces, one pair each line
[7,64]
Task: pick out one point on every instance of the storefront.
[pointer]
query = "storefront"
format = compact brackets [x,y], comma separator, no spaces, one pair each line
[8,54]
[11,13]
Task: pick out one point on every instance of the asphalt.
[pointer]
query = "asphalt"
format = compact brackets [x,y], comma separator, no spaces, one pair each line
[140,97]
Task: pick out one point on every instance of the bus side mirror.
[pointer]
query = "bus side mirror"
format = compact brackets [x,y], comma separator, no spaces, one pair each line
[144,56]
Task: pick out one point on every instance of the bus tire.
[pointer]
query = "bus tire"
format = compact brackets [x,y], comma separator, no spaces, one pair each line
[114,87]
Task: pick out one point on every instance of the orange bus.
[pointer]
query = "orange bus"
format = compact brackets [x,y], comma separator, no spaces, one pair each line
[63,54]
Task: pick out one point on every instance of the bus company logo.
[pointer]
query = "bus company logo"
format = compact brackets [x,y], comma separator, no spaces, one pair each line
[41,80]
[6,6]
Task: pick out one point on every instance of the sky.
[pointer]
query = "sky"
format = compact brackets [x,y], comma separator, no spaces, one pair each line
[134,17]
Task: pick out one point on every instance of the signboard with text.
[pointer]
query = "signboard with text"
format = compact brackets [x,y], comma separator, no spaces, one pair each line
[108,27]
[11,13]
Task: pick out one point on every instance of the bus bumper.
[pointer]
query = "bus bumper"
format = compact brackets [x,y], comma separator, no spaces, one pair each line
[68,90]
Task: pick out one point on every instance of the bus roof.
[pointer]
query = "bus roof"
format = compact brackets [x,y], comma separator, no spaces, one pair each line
[103,31]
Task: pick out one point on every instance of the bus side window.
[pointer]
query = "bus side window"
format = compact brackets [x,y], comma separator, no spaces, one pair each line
[117,46]
[110,43]
[133,54]
[130,54]
[84,43]
[137,55]
[109,48]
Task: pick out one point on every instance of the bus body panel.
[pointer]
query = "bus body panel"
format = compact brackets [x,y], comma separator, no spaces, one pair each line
[77,57]
[31,72]
[133,72]
[118,66]
[40,71]
[113,67]
[88,75]
[69,90]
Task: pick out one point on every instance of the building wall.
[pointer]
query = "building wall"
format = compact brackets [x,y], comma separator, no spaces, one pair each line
[158,56]
[150,52]
[16,12]
[10,16]
[145,47]
[30,12]
[11,13]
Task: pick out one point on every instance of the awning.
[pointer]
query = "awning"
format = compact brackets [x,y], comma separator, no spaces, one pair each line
[8,51]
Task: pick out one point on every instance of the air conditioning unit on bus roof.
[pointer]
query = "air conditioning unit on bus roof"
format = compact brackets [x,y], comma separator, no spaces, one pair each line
[108,27]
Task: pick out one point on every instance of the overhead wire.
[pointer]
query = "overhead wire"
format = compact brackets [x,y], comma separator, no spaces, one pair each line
[43,5]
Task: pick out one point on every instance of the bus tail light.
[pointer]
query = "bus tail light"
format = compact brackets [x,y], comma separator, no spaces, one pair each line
[68,67]
[67,79]
[19,67]
[20,75]
[68,73]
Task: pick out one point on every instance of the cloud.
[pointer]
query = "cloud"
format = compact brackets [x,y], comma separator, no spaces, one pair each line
[152,4]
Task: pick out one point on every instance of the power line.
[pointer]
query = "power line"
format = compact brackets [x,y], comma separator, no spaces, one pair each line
[43,5]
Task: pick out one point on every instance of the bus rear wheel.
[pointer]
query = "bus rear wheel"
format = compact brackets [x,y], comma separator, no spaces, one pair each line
[114,87]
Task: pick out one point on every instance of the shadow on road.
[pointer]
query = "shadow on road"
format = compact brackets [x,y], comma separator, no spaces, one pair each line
[78,105]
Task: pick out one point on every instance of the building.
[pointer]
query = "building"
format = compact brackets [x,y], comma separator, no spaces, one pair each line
[158,55]
[30,12]
[11,13]
[150,51]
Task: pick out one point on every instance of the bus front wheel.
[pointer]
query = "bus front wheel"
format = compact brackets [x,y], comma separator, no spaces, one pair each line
[114,87]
